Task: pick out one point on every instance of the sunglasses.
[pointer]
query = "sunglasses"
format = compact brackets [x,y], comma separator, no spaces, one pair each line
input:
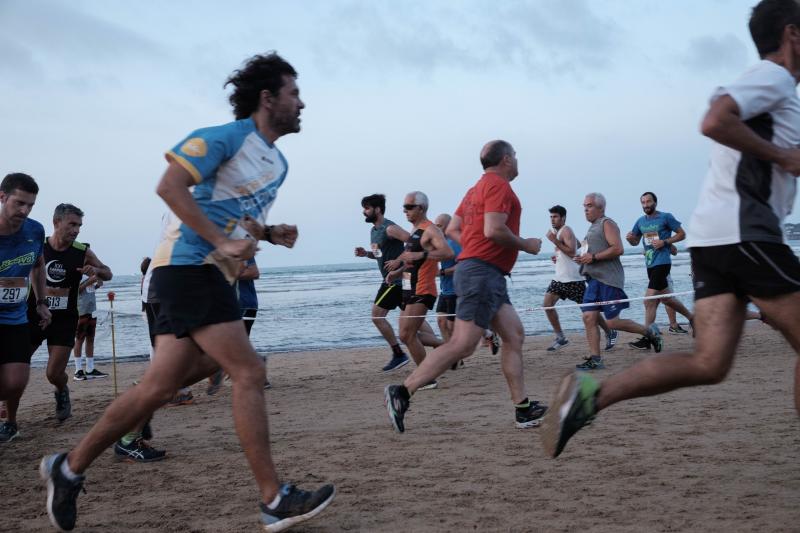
[409,207]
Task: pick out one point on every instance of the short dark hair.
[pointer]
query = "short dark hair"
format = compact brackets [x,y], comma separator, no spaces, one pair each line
[375,200]
[495,153]
[63,210]
[652,195]
[767,21]
[561,211]
[261,72]
[18,180]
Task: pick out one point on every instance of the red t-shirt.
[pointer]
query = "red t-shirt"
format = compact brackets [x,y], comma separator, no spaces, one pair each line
[492,194]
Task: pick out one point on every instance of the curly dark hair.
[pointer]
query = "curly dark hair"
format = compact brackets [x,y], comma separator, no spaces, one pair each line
[261,72]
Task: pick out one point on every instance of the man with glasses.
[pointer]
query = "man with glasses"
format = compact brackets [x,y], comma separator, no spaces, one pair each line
[486,224]
[417,267]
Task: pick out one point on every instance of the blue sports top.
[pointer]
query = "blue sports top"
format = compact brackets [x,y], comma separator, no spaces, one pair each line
[238,172]
[18,254]
[446,282]
[662,225]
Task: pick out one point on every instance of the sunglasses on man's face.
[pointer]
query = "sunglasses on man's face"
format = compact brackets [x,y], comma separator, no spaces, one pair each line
[409,207]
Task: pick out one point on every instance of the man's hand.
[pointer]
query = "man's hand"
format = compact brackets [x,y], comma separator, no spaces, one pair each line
[631,238]
[392,276]
[241,249]
[392,264]
[658,244]
[360,252]
[551,236]
[553,258]
[790,162]
[584,259]
[410,257]
[284,235]
[89,270]
[44,315]
[532,245]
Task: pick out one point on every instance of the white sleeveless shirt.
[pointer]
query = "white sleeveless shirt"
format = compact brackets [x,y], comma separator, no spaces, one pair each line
[567,270]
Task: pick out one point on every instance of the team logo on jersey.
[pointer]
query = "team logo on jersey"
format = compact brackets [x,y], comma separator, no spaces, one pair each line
[55,271]
[23,260]
[195,147]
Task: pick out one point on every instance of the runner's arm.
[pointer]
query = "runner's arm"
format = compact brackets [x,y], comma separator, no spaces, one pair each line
[453,229]
[92,266]
[437,246]
[724,124]
[680,234]
[174,190]
[396,232]
[615,248]
[567,243]
[495,229]
[250,272]
[39,281]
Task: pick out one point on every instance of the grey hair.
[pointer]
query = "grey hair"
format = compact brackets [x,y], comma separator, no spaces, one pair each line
[598,199]
[63,210]
[420,198]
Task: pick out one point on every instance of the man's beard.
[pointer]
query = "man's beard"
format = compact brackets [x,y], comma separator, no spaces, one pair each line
[370,219]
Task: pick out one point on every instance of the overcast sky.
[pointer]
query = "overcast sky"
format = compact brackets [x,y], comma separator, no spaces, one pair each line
[400,95]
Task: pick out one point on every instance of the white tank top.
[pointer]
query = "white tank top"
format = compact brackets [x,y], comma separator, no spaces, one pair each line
[567,270]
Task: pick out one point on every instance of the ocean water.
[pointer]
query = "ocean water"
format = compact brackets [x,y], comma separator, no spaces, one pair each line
[328,306]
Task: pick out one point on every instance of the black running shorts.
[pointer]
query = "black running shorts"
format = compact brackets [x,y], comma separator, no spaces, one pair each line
[757,269]
[192,296]
[657,276]
[15,344]
[428,300]
[389,296]
[249,316]
[60,332]
[446,305]
[569,290]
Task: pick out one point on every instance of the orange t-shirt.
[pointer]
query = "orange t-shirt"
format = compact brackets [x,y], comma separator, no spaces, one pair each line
[422,276]
[492,194]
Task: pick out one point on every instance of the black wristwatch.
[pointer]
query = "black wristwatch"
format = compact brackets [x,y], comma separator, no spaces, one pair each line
[425,255]
[268,234]
[41,301]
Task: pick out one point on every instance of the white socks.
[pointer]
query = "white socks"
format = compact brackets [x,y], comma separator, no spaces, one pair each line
[89,364]
[79,363]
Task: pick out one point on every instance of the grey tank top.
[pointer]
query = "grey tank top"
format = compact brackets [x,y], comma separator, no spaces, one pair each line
[610,271]
[389,248]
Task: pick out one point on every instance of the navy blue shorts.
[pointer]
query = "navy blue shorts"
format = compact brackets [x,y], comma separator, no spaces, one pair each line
[597,291]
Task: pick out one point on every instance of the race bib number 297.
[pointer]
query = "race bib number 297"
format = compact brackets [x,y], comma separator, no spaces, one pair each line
[13,290]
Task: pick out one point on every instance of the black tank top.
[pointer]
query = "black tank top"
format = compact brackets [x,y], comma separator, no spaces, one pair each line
[63,279]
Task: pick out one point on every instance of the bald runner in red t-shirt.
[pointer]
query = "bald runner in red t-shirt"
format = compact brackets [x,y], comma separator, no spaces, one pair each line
[486,224]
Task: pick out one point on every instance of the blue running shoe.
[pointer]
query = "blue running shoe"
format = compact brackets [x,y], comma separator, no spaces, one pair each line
[396,362]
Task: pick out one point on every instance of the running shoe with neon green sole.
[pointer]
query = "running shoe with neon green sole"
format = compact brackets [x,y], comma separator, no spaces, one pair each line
[573,407]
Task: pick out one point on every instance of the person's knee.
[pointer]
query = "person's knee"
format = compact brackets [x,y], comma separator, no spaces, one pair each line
[250,372]
[590,320]
[710,370]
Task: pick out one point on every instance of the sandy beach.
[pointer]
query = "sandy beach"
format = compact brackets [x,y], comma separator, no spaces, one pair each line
[723,458]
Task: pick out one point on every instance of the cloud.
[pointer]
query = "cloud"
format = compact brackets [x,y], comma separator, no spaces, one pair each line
[710,53]
[552,37]
[52,41]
